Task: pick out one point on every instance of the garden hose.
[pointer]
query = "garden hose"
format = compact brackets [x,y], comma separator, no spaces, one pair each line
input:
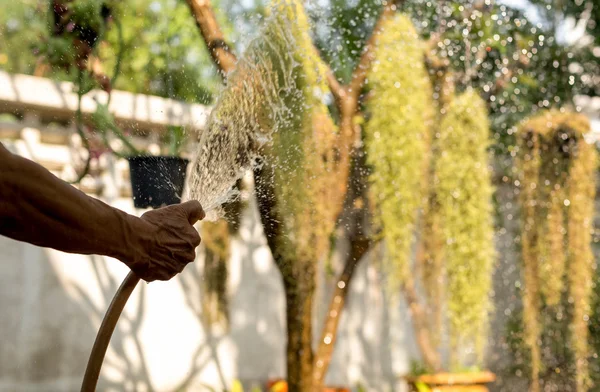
[105,332]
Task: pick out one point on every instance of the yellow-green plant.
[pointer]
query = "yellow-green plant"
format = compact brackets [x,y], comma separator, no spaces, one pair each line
[450,190]
[464,192]
[294,187]
[302,151]
[397,138]
[557,188]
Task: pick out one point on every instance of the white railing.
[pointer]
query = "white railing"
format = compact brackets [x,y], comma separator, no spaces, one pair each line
[37,122]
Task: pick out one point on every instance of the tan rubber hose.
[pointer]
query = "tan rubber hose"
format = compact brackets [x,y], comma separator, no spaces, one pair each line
[92,372]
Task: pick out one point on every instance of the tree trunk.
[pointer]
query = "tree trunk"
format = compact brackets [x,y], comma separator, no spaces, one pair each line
[298,284]
[299,351]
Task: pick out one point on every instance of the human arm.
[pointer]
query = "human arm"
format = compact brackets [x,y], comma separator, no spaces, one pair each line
[38,208]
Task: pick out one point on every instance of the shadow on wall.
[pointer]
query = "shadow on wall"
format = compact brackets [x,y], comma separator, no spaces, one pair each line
[45,331]
[49,321]
[129,370]
[255,334]
[257,305]
[363,349]
[506,300]
[52,303]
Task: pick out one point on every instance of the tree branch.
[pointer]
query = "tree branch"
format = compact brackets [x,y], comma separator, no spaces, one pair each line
[206,21]
[359,75]
[419,320]
[359,248]
[347,100]
[336,88]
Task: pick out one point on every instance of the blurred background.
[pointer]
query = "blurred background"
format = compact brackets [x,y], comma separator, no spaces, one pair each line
[435,201]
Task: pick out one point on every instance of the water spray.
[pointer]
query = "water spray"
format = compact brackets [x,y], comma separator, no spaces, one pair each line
[247,113]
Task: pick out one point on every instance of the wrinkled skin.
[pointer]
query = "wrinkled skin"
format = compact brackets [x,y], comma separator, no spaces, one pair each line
[172,240]
[38,208]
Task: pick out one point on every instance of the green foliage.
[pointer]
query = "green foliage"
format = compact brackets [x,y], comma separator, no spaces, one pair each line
[418,368]
[519,64]
[105,124]
[21,24]
[174,139]
[422,387]
[397,137]
[343,29]
[86,14]
[464,192]
[163,52]
[57,51]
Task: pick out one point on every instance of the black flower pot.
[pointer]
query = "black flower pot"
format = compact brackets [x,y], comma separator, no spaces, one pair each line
[157,181]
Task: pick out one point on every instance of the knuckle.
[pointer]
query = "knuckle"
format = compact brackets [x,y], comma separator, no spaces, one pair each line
[195,238]
[191,257]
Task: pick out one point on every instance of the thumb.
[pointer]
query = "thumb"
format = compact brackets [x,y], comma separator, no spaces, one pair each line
[193,211]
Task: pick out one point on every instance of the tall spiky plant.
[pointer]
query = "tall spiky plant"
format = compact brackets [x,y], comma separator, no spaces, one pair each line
[464,193]
[450,189]
[294,188]
[397,137]
[556,168]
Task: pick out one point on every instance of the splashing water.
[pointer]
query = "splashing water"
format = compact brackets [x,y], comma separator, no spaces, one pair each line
[247,113]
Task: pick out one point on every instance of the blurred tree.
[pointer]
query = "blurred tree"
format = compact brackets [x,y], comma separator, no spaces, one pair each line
[296,265]
[21,24]
[161,55]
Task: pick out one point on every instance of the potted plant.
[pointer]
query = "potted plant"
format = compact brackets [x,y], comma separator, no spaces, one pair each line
[451,382]
[281,386]
[156,180]
[430,186]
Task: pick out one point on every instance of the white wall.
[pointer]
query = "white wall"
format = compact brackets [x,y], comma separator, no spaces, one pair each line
[51,304]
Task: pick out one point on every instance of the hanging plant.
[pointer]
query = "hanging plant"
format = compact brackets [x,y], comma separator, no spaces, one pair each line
[556,169]
[464,193]
[77,27]
[435,188]
[397,137]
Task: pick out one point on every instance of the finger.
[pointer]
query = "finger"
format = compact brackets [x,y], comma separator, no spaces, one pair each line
[190,256]
[194,237]
[193,211]
[166,275]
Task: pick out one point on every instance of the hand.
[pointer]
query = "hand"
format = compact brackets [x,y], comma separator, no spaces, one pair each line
[168,241]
